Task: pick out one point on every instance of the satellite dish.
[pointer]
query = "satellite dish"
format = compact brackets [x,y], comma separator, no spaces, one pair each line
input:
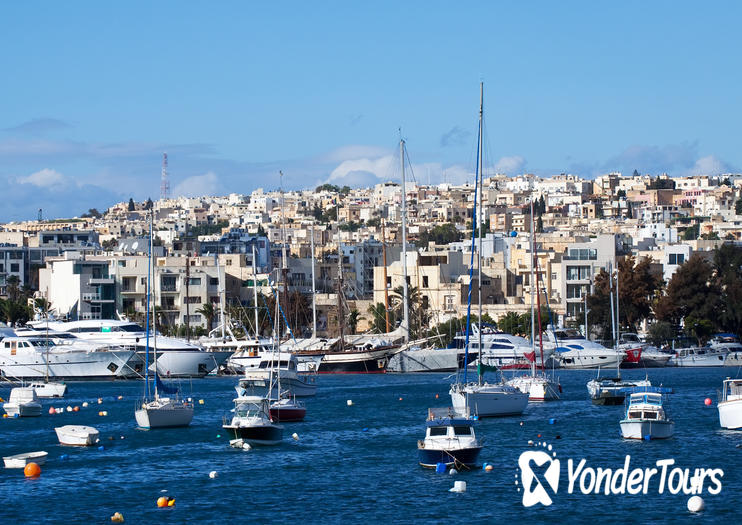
[135,245]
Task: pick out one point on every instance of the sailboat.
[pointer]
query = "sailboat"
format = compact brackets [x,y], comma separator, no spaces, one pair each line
[540,387]
[612,390]
[480,398]
[159,411]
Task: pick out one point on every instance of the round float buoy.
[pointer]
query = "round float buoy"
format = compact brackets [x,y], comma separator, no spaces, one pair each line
[63,457]
[32,470]
[452,472]
[707,402]
[100,401]
[171,502]
[400,399]
[85,404]
[521,423]
[101,448]
[295,436]
[69,408]
[489,468]
[16,415]
[530,442]
[349,402]
[5,416]
[458,486]
[117,518]
[696,504]
[76,409]
[538,435]
[436,396]
[52,411]
[200,401]
[120,398]
[213,474]
[552,421]
[218,435]
[162,501]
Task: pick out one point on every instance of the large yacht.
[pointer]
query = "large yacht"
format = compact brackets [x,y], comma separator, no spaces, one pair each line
[175,357]
[500,349]
[572,350]
[30,358]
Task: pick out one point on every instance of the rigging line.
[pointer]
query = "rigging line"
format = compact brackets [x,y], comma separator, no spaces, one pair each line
[283,314]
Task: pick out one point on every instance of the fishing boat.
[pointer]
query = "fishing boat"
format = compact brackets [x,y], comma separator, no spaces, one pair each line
[252,422]
[77,435]
[481,398]
[645,416]
[21,460]
[287,409]
[449,439]
[730,404]
[22,402]
[159,411]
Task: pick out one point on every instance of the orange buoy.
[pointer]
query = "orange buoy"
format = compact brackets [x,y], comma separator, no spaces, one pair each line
[52,411]
[162,501]
[436,396]
[32,470]
[117,518]
[171,502]
[76,409]
[539,435]
[707,401]
[400,399]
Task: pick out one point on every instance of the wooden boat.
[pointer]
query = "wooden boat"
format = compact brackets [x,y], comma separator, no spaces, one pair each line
[77,435]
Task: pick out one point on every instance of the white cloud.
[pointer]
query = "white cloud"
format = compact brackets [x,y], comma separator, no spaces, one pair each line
[353,152]
[512,165]
[372,171]
[709,165]
[207,184]
[44,178]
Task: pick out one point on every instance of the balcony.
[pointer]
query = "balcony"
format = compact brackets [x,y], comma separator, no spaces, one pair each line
[94,297]
[95,281]
[168,288]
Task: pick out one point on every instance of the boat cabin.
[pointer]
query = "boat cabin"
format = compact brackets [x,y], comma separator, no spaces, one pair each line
[645,406]
[732,390]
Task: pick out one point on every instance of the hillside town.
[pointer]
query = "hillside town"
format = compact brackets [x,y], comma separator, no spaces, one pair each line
[214,256]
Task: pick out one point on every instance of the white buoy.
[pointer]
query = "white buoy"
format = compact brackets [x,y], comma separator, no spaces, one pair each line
[530,442]
[213,474]
[696,504]
[452,472]
[69,408]
[458,486]
[295,436]
[350,402]
[85,404]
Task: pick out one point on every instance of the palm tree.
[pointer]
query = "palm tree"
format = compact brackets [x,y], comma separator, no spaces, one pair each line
[378,318]
[418,313]
[209,312]
[353,317]
[510,323]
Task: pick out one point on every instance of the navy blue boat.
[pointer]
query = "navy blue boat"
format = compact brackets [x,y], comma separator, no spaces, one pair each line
[449,439]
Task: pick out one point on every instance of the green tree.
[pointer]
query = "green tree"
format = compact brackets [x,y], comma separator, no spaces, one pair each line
[700,329]
[727,267]
[418,311]
[378,318]
[441,234]
[209,312]
[510,323]
[691,233]
[352,320]
[660,333]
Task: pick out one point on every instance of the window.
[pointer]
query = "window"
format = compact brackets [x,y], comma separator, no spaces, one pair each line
[438,431]
[575,273]
[194,281]
[425,281]
[462,430]
[193,300]
[448,302]
[213,281]
[14,267]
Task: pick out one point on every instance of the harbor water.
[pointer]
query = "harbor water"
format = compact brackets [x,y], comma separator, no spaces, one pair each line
[357,462]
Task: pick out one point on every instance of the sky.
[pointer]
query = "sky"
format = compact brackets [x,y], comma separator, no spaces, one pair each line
[92,94]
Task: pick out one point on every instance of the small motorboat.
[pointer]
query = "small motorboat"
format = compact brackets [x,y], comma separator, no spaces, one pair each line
[449,439]
[23,402]
[287,409]
[77,435]
[47,390]
[21,460]
[645,416]
[252,422]
[730,404]
[612,390]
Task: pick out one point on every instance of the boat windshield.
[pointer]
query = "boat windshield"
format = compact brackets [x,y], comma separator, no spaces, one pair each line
[438,431]
[42,342]
[461,430]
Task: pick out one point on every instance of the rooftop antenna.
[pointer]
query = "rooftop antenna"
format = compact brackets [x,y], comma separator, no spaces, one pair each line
[41,215]
[164,182]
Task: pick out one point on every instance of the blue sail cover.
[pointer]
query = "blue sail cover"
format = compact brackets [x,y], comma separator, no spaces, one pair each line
[162,387]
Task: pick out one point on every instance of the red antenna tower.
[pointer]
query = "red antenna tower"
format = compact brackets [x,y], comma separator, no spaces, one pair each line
[164,182]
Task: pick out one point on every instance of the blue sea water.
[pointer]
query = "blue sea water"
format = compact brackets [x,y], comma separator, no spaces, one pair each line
[358,463]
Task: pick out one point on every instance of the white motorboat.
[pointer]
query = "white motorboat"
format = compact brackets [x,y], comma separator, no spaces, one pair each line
[252,423]
[22,402]
[178,358]
[699,356]
[21,460]
[257,381]
[500,349]
[449,439]
[38,358]
[488,400]
[612,390]
[47,390]
[572,350]
[730,404]
[77,435]
[650,356]
[244,354]
[645,417]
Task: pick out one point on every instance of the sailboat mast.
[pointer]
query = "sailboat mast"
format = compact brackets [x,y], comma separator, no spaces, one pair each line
[255,292]
[314,291]
[533,282]
[154,304]
[618,317]
[405,291]
[341,319]
[478,218]
[386,288]
[284,264]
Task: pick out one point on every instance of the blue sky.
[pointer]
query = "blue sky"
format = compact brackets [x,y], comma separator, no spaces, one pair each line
[94,92]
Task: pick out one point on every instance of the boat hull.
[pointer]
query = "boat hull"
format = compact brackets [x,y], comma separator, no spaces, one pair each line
[537,388]
[488,401]
[183,363]
[256,435]
[77,436]
[429,458]
[578,360]
[49,390]
[31,409]
[424,360]
[164,415]
[356,362]
[730,414]
[647,429]
[69,366]
[291,414]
